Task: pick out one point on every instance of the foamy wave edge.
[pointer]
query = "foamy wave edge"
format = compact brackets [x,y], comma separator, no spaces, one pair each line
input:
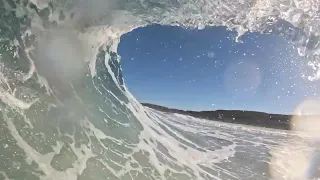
[103,22]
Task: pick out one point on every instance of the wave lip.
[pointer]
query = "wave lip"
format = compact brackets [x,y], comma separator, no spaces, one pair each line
[242,16]
[114,18]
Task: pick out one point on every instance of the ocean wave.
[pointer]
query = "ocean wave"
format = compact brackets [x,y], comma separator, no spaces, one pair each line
[67,114]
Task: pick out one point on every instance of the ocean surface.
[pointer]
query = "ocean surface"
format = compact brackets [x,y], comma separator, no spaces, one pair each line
[66,112]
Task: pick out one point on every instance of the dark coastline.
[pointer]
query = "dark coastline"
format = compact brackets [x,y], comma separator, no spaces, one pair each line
[253,118]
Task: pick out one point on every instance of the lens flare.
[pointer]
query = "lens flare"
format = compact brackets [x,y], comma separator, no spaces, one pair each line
[60,57]
[305,118]
[300,156]
[242,77]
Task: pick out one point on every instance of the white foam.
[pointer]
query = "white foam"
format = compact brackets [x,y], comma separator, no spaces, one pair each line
[14,102]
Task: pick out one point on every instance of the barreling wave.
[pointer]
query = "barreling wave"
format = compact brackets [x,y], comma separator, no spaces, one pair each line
[67,114]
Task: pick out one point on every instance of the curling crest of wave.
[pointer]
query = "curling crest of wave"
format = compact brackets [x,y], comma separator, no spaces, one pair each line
[102,22]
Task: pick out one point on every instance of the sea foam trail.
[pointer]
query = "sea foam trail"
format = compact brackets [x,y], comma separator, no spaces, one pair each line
[83,123]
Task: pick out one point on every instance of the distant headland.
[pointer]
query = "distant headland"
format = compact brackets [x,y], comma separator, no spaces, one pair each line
[253,118]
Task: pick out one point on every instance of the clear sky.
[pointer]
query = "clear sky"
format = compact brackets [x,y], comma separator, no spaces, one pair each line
[208,70]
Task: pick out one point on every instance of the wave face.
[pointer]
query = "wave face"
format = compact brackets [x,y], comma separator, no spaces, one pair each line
[67,114]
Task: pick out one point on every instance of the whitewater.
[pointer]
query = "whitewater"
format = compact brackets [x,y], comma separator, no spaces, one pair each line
[67,113]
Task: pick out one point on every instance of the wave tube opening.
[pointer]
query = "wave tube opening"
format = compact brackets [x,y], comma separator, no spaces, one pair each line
[169,66]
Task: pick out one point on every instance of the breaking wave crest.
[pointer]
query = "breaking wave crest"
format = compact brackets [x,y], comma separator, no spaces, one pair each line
[67,114]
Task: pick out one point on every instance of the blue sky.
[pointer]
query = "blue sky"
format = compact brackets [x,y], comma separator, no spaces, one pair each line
[208,70]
